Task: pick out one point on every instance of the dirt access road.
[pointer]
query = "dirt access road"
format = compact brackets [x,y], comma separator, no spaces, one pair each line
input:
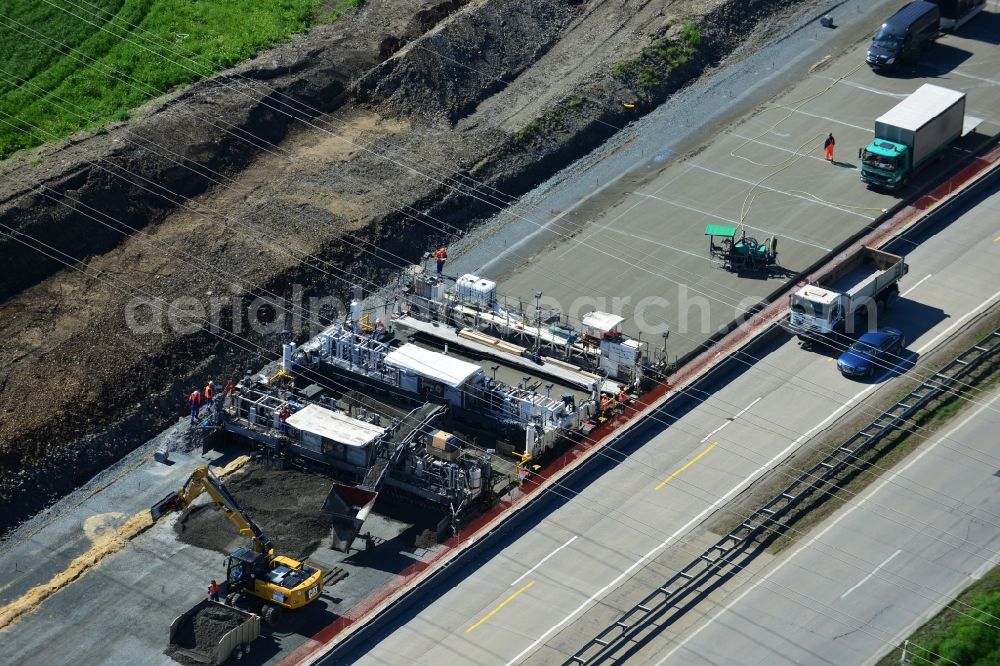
[331,160]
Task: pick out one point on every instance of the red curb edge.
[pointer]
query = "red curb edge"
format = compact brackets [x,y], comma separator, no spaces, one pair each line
[739,337]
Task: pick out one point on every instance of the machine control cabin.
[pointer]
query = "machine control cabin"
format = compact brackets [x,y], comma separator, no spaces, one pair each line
[336,436]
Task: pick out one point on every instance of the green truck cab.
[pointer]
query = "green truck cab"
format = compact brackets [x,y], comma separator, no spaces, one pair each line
[886,164]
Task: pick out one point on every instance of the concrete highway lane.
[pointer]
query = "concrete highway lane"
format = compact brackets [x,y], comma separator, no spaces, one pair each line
[611,539]
[820,605]
[637,246]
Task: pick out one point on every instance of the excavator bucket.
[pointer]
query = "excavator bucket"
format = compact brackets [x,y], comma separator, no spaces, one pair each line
[166,505]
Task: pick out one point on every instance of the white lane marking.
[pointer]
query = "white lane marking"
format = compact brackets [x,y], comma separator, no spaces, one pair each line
[687,207]
[921,619]
[849,511]
[776,147]
[892,478]
[832,120]
[650,241]
[985,304]
[544,559]
[963,74]
[861,86]
[787,194]
[736,489]
[730,420]
[869,576]
[734,221]
[581,241]
[916,284]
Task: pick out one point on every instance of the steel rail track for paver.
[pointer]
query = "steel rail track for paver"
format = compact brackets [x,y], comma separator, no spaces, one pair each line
[731,553]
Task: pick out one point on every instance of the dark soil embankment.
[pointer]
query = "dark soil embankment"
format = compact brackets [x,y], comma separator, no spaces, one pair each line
[202,632]
[80,387]
[285,504]
[129,176]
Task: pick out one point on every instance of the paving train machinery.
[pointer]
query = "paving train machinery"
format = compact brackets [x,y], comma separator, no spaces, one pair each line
[271,583]
[363,453]
[565,381]
[473,316]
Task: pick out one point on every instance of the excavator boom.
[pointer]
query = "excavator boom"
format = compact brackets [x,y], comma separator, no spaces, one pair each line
[203,480]
[278,580]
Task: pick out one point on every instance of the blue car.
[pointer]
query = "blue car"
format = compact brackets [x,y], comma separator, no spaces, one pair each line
[872,352]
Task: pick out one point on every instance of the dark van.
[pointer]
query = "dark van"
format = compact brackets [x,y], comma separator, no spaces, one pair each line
[904,35]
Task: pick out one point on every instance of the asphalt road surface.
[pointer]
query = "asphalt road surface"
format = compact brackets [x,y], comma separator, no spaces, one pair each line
[554,584]
[819,606]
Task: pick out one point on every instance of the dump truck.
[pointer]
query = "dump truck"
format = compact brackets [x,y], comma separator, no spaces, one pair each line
[272,583]
[911,134]
[849,299]
[212,633]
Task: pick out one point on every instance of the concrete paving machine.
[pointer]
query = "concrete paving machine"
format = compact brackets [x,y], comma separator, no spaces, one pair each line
[272,583]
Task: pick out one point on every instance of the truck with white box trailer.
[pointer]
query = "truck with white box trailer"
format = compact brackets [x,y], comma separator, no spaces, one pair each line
[910,134]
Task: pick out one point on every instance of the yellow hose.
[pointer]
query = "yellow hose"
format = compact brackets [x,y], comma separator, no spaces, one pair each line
[796,155]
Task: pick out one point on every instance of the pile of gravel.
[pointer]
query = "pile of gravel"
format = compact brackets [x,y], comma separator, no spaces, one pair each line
[287,505]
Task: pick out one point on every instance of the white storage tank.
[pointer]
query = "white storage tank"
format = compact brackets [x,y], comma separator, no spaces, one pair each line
[474,289]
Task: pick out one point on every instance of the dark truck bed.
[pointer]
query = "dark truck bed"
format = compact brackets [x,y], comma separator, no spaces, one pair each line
[210,633]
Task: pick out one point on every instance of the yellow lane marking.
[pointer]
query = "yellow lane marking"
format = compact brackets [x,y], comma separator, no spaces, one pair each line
[688,464]
[997,239]
[498,608]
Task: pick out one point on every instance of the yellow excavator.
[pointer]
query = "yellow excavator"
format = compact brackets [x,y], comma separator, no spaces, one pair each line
[273,583]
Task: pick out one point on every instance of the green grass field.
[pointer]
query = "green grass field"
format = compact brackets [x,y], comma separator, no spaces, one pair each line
[952,637]
[76,64]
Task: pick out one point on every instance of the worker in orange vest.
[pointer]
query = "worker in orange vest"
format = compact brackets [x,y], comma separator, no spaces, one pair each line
[282,418]
[194,401]
[622,397]
[209,394]
[441,255]
[828,147]
[213,590]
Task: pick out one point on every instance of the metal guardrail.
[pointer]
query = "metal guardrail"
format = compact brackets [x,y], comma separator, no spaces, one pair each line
[731,553]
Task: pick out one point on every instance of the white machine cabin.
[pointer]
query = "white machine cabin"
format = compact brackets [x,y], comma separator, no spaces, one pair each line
[336,434]
[621,356]
[816,308]
[432,373]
